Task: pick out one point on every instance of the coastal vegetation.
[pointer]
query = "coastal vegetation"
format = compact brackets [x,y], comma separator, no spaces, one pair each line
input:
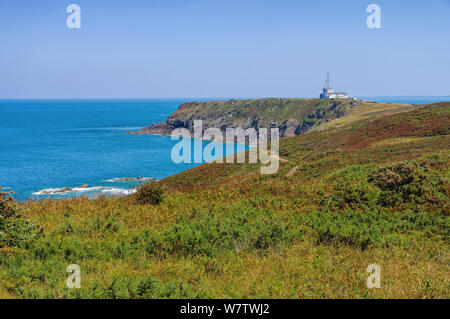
[291,116]
[149,193]
[369,186]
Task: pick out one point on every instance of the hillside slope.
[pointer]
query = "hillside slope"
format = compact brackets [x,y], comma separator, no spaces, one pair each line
[373,189]
[291,116]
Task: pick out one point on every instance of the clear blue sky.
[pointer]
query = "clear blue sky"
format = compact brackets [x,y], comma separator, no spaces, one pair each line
[226,48]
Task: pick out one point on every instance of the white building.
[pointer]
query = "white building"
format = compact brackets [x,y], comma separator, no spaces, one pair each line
[329,93]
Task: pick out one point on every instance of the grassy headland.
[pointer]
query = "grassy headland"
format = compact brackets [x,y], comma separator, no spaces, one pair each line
[368,186]
[291,116]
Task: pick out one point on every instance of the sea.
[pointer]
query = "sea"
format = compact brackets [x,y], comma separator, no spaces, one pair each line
[49,148]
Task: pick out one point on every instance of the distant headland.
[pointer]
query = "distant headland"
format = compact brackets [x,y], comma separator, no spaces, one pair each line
[292,116]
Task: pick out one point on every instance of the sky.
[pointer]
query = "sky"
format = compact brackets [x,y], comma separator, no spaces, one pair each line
[222,48]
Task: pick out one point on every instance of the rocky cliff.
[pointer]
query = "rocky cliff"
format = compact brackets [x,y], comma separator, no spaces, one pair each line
[291,116]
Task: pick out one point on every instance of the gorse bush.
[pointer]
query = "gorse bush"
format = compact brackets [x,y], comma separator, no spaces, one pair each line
[377,229]
[149,193]
[15,231]
[399,185]
[213,235]
[151,287]
[7,205]
[399,182]
[352,190]
[395,176]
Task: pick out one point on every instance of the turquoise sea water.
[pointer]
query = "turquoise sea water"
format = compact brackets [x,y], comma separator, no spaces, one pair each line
[49,145]
[46,145]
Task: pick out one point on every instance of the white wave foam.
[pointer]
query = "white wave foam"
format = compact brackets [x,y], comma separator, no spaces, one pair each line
[86,189]
[99,189]
[119,191]
[66,190]
[122,179]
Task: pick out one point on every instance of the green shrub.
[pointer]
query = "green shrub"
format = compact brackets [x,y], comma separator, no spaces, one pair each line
[149,193]
[378,229]
[213,235]
[400,185]
[351,189]
[15,231]
[119,288]
[400,182]
[349,228]
[148,287]
[395,176]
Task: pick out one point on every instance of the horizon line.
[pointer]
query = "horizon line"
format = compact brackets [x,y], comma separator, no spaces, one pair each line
[204,98]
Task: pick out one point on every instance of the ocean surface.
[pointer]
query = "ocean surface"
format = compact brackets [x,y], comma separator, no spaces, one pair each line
[49,145]
[417,100]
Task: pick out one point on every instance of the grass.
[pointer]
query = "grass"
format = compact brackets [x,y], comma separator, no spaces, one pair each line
[225,231]
[364,110]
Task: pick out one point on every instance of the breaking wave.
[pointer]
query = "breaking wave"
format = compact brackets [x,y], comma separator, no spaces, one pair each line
[127,179]
[90,191]
[66,190]
[118,191]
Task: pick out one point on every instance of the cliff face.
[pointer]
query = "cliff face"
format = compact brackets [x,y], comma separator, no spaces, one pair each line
[291,116]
